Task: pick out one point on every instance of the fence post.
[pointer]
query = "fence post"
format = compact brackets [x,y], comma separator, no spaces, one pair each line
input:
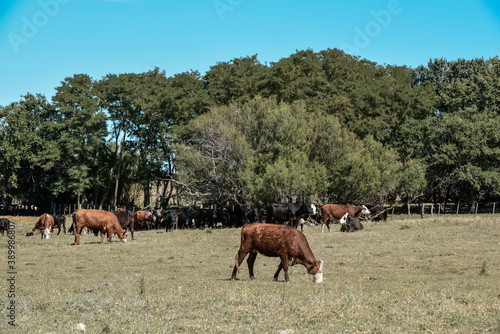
[423,211]
[432,210]
[439,209]
[477,205]
[409,213]
[458,207]
[493,213]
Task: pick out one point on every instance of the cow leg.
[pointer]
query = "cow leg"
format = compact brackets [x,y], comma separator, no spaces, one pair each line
[77,235]
[59,228]
[284,263]
[278,272]
[251,261]
[240,256]
[132,230]
[102,237]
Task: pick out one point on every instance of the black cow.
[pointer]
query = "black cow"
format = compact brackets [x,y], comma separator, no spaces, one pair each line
[126,219]
[236,216]
[4,225]
[175,218]
[252,215]
[288,213]
[205,217]
[60,220]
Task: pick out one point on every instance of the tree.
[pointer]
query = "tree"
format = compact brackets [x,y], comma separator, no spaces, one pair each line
[236,81]
[461,151]
[210,168]
[83,136]
[27,150]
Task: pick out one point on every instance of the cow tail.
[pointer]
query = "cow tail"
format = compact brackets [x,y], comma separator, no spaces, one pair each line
[74,224]
[236,262]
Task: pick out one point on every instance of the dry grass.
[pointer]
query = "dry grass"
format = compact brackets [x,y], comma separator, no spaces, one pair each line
[402,276]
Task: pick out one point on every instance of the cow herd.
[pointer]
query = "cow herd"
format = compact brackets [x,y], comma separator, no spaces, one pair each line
[292,214]
[272,232]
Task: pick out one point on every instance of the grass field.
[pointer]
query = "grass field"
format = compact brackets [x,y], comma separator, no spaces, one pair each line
[438,275]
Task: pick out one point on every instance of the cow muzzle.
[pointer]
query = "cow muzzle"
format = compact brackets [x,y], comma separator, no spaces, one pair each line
[46,233]
[318,278]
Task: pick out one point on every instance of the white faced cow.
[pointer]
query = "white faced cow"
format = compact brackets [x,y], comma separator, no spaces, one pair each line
[336,212]
[287,243]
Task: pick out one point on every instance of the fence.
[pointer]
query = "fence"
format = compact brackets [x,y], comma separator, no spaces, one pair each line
[431,209]
[68,209]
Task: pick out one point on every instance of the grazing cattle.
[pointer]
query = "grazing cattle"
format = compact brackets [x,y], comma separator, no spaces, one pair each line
[44,224]
[171,219]
[4,225]
[287,243]
[98,221]
[178,218]
[223,216]
[159,215]
[144,219]
[334,212]
[252,215]
[237,216]
[350,224]
[126,219]
[206,218]
[60,220]
[288,213]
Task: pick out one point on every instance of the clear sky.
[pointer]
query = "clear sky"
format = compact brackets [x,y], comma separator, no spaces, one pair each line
[44,41]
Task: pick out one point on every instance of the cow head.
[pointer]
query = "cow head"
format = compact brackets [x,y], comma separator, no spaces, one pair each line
[123,236]
[313,210]
[46,233]
[316,272]
[365,211]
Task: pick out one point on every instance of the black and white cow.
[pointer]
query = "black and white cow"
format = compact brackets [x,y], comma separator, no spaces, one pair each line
[288,213]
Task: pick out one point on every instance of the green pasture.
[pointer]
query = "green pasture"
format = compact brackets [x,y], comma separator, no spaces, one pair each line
[436,275]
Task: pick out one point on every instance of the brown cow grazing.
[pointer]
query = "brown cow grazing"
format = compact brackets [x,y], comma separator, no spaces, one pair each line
[142,218]
[285,242]
[100,221]
[335,212]
[44,224]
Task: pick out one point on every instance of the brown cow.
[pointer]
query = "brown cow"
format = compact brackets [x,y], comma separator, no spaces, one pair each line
[285,242]
[44,224]
[335,212]
[144,217]
[98,220]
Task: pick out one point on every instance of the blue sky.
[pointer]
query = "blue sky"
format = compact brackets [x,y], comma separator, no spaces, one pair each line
[44,41]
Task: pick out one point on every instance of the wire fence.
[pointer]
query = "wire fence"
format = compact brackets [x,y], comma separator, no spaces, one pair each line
[430,209]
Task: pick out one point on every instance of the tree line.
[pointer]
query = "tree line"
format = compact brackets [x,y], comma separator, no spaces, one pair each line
[315,126]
